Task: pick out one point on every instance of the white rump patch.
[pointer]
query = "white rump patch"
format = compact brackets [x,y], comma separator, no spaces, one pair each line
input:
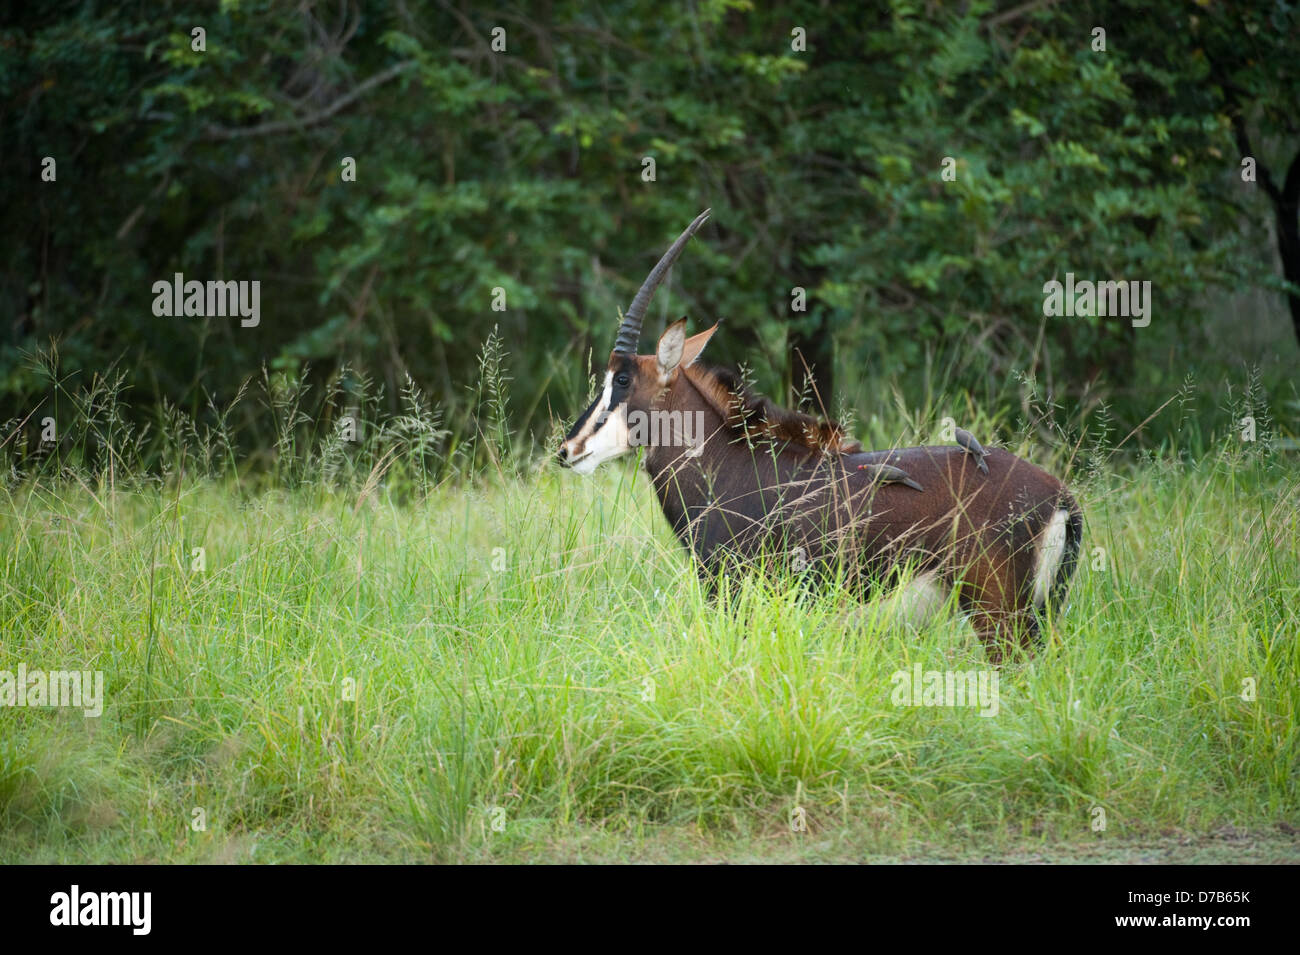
[1051,551]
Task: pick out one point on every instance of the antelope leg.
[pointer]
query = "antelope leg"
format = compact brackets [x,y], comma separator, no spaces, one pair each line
[968,442]
[888,474]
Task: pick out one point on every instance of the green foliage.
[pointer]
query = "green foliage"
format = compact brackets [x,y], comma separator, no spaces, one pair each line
[521,171]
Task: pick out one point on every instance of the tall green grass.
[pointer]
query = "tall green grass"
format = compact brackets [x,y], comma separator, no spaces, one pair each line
[381,658]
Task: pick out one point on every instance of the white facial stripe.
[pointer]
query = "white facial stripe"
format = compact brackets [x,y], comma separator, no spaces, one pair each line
[604,434]
[574,445]
[607,443]
[605,397]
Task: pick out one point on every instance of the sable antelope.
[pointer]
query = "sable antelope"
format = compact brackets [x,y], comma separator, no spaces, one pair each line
[759,479]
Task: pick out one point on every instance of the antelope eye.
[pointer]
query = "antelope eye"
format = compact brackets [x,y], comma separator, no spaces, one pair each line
[622,380]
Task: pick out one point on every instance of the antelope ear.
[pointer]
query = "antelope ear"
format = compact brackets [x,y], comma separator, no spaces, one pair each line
[695,344]
[669,352]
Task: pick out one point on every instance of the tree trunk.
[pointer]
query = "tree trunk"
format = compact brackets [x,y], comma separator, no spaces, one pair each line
[1286,210]
[1286,205]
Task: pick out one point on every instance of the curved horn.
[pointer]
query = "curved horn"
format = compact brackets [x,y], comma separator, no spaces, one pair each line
[629,333]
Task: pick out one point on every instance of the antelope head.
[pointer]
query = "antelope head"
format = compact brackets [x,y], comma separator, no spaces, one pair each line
[634,384]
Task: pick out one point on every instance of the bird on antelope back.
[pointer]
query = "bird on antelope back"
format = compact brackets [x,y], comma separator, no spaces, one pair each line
[739,477]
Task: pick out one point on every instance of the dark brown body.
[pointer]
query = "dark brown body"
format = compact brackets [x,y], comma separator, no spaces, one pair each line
[744,497]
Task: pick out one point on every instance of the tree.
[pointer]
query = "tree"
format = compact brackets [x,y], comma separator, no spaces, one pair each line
[403,180]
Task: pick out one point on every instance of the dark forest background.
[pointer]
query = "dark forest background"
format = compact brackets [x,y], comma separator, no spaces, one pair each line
[523,170]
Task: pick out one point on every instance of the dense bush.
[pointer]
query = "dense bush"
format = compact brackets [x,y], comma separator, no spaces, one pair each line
[522,170]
